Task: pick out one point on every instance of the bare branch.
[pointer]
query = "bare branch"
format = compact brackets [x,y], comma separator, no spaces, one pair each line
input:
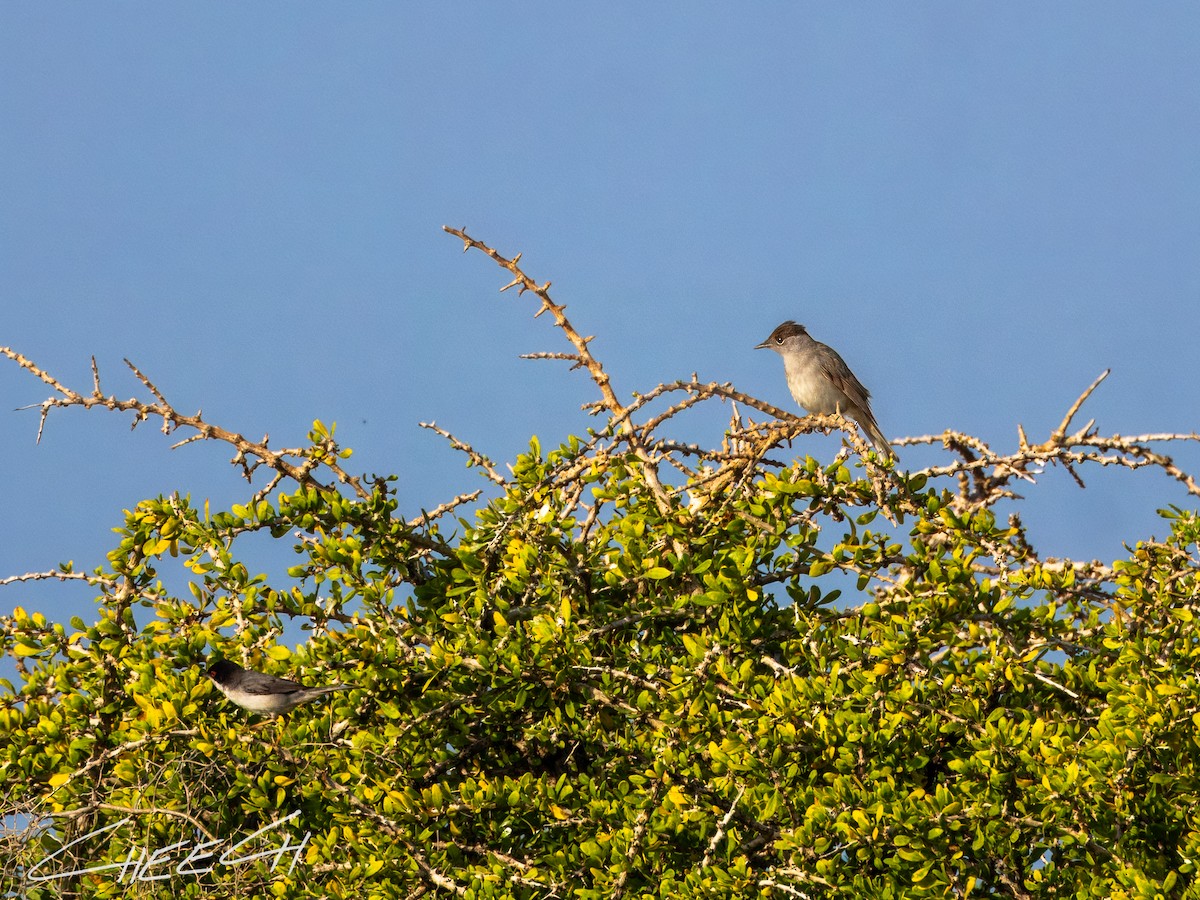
[1060,432]
[426,517]
[570,357]
[476,457]
[990,472]
[109,582]
[589,362]
[247,450]
[722,826]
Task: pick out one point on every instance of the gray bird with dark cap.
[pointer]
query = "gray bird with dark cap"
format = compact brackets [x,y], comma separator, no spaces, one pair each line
[821,382]
[262,693]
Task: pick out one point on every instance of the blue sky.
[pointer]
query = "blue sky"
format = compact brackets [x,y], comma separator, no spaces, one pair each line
[980,206]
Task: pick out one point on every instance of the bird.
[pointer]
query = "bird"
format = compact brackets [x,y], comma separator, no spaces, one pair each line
[821,382]
[262,693]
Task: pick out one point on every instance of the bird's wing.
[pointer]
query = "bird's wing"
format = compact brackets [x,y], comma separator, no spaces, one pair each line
[261,683]
[836,370]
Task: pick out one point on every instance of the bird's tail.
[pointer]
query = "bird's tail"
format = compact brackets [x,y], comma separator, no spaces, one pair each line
[877,438]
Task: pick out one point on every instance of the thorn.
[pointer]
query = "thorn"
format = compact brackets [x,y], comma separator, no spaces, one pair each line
[516,259]
[1060,432]
[1075,475]
[516,281]
[1022,440]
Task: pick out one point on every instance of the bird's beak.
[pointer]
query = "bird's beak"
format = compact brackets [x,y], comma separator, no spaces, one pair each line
[765,345]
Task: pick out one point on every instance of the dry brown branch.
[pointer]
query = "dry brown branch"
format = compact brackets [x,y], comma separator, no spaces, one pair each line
[595,369]
[990,473]
[109,582]
[701,390]
[722,827]
[1060,432]
[437,512]
[296,464]
[524,283]
[570,357]
[476,457]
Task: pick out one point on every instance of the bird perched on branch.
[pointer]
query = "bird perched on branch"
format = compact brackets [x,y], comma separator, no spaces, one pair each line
[262,693]
[821,382]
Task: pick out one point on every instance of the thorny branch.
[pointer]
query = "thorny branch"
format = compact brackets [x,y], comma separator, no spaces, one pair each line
[476,457]
[583,356]
[107,582]
[991,473]
[296,464]
[985,475]
[708,476]
[704,474]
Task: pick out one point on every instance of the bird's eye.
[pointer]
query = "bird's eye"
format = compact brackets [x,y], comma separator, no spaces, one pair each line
[779,340]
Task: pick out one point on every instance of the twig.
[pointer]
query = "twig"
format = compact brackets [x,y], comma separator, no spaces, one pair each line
[722,827]
[476,457]
[111,582]
[1060,432]
[595,369]
[426,517]
[571,357]
[247,450]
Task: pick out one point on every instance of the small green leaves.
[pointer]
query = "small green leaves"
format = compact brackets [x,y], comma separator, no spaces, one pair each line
[812,683]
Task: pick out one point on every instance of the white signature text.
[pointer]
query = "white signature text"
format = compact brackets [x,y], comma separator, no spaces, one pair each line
[188,857]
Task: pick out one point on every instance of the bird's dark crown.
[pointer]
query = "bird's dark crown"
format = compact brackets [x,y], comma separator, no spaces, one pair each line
[787,330]
[222,669]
